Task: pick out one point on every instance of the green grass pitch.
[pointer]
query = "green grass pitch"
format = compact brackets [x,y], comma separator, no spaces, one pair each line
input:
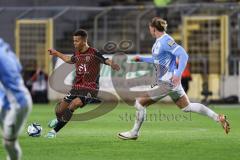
[168,134]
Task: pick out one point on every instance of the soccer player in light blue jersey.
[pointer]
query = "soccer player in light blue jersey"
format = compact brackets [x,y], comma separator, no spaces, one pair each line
[165,51]
[15,101]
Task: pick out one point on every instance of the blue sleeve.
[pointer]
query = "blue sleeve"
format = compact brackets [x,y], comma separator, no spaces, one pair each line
[147,59]
[11,78]
[182,56]
[9,75]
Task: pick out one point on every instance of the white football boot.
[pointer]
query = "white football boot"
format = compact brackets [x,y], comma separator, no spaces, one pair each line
[129,135]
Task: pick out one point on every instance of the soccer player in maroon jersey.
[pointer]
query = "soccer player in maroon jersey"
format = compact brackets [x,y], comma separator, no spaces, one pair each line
[87,62]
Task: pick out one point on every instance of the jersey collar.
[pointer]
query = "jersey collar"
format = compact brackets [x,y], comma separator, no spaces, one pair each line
[161,37]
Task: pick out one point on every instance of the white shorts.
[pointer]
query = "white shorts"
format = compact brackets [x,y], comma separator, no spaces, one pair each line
[163,89]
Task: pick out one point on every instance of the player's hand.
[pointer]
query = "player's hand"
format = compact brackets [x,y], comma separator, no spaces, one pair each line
[115,67]
[136,59]
[52,52]
[176,80]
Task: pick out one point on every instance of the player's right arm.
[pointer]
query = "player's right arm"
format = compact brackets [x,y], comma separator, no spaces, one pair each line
[143,59]
[65,58]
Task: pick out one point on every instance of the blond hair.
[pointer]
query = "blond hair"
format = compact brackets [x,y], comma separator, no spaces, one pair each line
[159,23]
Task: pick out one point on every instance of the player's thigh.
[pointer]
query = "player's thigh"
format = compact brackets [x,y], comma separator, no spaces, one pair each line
[153,98]
[158,92]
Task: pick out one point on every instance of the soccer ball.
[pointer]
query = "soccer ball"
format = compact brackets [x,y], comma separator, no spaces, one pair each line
[34,130]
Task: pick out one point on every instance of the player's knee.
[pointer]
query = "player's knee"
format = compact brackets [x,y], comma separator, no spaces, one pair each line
[138,105]
[186,109]
[77,102]
[145,101]
[8,143]
[139,102]
[182,102]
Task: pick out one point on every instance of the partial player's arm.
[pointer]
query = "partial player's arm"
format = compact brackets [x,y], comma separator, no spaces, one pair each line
[113,65]
[143,59]
[182,56]
[157,50]
[65,58]
[12,80]
[108,61]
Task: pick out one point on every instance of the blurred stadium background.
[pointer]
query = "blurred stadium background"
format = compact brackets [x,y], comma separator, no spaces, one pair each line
[209,31]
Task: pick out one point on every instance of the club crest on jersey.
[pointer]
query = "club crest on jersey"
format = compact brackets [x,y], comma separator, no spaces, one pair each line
[171,43]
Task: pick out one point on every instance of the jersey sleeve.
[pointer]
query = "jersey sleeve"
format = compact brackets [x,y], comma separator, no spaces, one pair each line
[73,59]
[182,58]
[179,52]
[101,58]
[11,79]
[147,59]
[9,74]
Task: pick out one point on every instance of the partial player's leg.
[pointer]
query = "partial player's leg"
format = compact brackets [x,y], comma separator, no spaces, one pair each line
[10,142]
[12,124]
[182,101]
[59,109]
[161,90]
[64,114]
[13,148]
[58,122]
[140,105]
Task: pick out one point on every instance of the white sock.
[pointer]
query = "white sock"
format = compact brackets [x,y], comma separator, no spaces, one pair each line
[140,116]
[14,150]
[201,109]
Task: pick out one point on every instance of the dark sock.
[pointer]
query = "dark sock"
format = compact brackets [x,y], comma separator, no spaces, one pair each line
[65,118]
[59,125]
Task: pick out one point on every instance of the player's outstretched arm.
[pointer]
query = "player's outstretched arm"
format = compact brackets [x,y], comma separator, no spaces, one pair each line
[143,59]
[64,57]
[113,65]
[108,61]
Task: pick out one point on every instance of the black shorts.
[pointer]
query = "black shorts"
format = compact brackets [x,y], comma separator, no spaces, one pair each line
[87,96]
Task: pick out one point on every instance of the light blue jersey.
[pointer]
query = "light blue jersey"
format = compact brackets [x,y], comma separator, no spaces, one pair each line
[165,52]
[12,89]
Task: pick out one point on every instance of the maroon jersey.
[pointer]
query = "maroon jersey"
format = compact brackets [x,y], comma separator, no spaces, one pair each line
[87,66]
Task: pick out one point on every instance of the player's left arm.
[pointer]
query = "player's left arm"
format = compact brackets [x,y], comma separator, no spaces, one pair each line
[11,79]
[182,56]
[113,65]
[108,61]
